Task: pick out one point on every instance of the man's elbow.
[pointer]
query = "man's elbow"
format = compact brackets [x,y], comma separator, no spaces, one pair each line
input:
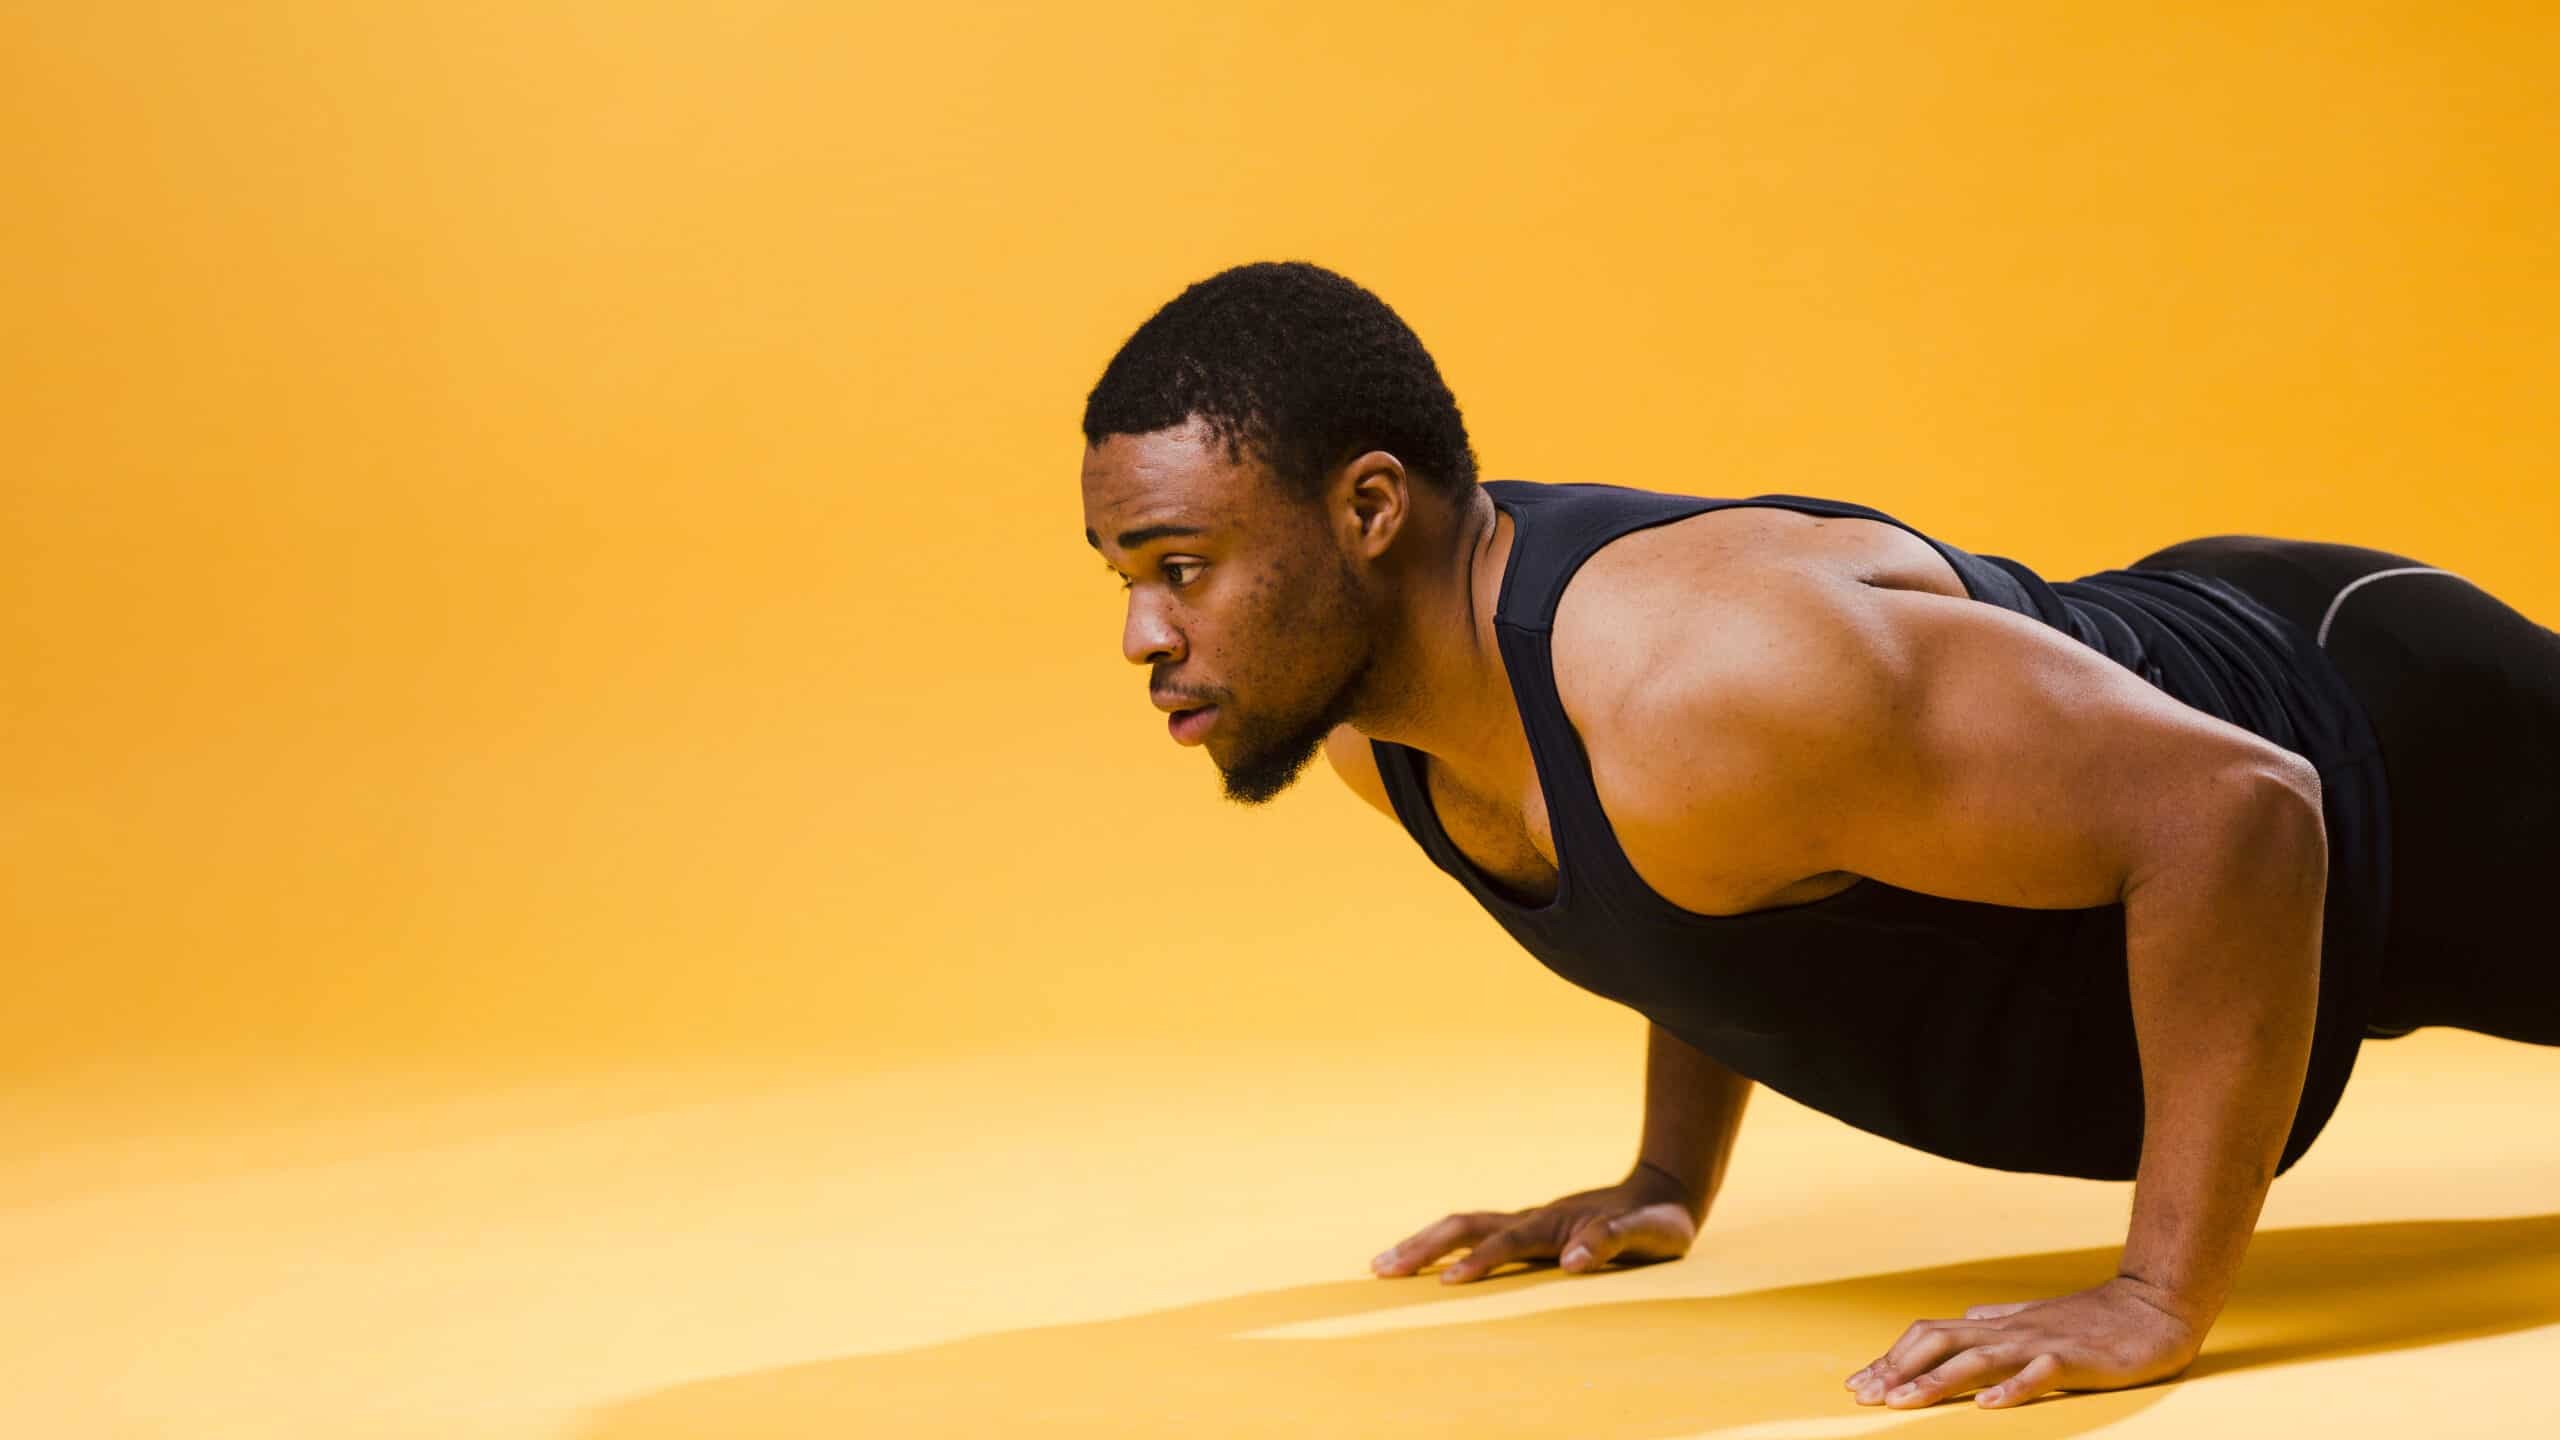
[2250,827]
[2280,819]
[2295,780]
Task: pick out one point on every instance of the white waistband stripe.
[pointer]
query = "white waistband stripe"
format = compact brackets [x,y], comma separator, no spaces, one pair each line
[2361,581]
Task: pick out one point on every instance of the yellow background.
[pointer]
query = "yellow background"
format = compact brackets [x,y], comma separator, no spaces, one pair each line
[571,819]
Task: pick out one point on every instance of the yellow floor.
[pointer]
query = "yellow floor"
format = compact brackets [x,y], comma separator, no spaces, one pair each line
[1173,1245]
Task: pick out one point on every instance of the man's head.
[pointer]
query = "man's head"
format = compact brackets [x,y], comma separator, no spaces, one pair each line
[1281,419]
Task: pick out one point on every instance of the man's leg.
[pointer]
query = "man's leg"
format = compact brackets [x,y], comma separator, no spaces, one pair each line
[2464,695]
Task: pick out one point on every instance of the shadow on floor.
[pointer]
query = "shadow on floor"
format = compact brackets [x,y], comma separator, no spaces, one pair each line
[1638,1369]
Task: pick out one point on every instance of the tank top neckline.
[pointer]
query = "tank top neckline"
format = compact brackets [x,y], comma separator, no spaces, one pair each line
[1525,659]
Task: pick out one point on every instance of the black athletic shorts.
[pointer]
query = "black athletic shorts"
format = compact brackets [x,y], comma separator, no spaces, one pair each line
[2464,696]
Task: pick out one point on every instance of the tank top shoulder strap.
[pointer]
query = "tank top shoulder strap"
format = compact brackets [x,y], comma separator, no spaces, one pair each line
[1557,527]
[1576,518]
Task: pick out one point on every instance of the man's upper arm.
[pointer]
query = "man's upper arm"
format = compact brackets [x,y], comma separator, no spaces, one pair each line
[1936,744]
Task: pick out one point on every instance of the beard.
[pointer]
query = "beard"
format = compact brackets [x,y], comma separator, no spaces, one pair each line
[1271,750]
[1268,759]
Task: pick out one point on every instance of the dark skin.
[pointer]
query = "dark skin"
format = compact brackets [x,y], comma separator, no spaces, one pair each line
[1849,712]
[1371,611]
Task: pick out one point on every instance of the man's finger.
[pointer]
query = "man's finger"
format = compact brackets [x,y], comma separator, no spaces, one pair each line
[1595,1242]
[1520,1242]
[1994,1312]
[1437,1239]
[1926,1343]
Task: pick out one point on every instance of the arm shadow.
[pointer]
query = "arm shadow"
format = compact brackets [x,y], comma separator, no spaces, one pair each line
[1767,1362]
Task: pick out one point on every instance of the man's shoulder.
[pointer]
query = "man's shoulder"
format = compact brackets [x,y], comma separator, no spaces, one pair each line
[1638,650]
[1691,698]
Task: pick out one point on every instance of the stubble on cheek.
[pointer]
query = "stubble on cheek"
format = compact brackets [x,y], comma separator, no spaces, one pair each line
[1293,633]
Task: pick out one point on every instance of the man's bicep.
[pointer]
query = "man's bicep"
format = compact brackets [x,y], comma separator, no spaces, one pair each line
[1956,748]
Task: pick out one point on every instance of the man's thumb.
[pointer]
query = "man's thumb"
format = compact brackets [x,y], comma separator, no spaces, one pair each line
[1593,1243]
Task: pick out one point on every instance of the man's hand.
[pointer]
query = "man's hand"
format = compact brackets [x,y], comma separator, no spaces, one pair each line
[1647,1216]
[2121,1333]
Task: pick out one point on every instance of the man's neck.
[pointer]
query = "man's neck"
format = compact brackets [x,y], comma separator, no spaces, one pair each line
[1451,697]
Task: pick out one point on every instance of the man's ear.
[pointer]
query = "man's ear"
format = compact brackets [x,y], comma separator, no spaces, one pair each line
[1373,498]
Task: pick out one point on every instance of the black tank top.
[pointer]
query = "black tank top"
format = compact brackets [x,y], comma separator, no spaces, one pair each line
[1994,1035]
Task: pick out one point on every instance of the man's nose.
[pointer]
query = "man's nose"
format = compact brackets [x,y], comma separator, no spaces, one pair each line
[1146,639]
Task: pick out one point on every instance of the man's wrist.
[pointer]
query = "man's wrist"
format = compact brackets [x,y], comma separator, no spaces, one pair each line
[1685,1187]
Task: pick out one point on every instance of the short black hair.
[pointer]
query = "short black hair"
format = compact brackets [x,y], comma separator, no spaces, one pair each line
[1295,363]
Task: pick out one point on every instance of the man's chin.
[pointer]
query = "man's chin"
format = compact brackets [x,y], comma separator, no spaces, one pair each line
[1257,781]
[1252,795]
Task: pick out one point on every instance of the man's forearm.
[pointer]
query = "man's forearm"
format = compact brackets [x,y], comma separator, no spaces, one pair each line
[2225,975]
[1692,1109]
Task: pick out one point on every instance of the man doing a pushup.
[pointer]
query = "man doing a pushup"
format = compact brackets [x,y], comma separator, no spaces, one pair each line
[2106,877]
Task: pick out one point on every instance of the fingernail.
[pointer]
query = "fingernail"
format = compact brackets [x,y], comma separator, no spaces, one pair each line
[1903,1392]
[1448,1277]
[1576,1255]
[1382,1260]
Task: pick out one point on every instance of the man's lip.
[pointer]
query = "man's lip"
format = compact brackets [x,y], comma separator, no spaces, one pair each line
[1182,720]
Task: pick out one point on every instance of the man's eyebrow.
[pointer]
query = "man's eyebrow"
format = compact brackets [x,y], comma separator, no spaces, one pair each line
[1132,539]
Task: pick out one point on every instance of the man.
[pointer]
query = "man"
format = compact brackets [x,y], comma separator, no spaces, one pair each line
[2106,877]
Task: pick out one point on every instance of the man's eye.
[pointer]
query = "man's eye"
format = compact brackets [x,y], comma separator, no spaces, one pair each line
[1171,565]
